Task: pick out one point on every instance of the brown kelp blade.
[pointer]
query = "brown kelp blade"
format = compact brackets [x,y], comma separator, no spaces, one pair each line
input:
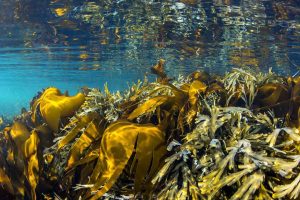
[76,125]
[93,132]
[30,153]
[119,142]
[272,93]
[5,182]
[149,106]
[53,105]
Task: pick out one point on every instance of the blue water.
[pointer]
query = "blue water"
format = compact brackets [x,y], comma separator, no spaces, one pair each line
[88,43]
[24,73]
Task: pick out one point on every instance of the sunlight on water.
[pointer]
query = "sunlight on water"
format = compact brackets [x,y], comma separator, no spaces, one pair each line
[88,43]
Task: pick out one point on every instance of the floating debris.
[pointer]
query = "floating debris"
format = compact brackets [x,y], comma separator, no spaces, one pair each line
[200,137]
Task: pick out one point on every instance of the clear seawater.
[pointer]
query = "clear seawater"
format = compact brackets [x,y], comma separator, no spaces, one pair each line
[72,44]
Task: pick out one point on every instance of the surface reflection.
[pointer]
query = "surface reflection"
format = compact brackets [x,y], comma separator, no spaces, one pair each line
[83,41]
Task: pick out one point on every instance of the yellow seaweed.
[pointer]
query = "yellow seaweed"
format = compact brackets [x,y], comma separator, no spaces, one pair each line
[92,133]
[196,88]
[19,134]
[149,106]
[119,141]
[80,123]
[5,181]
[246,150]
[53,106]
[20,155]
[32,168]
[189,108]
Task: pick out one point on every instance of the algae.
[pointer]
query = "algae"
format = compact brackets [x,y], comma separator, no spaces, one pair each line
[198,137]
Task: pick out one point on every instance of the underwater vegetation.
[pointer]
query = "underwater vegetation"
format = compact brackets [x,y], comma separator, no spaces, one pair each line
[197,137]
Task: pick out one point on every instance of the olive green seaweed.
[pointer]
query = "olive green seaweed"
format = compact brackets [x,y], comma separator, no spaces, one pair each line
[198,137]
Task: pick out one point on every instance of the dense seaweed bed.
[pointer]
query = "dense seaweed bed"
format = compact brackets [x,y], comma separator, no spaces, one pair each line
[197,137]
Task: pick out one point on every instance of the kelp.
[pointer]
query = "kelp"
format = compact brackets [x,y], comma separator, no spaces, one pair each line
[120,141]
[52,105]
[198,137]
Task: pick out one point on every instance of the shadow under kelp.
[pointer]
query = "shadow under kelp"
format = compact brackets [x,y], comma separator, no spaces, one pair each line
[199,137]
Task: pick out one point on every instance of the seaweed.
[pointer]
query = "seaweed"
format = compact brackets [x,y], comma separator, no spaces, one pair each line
[200,137]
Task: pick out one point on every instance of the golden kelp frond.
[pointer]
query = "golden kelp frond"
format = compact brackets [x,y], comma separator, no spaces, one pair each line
[92,133]
[294,112]
[5,182]
[75,127]
[90,156]
[13,180]
[53,106]
[178,101]
[150,106]
[5,177]
[21,147]
[196,88]
[120,140]
[30,154]
[19,134]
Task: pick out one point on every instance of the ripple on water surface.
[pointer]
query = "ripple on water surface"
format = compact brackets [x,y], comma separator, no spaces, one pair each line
[88,43]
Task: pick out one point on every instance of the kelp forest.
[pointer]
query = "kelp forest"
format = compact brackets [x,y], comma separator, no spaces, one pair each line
[202,136]
[211,111]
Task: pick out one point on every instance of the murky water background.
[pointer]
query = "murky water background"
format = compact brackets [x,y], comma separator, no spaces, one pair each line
[71,44]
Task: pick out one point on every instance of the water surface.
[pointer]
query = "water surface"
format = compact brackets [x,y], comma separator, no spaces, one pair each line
[71,44]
